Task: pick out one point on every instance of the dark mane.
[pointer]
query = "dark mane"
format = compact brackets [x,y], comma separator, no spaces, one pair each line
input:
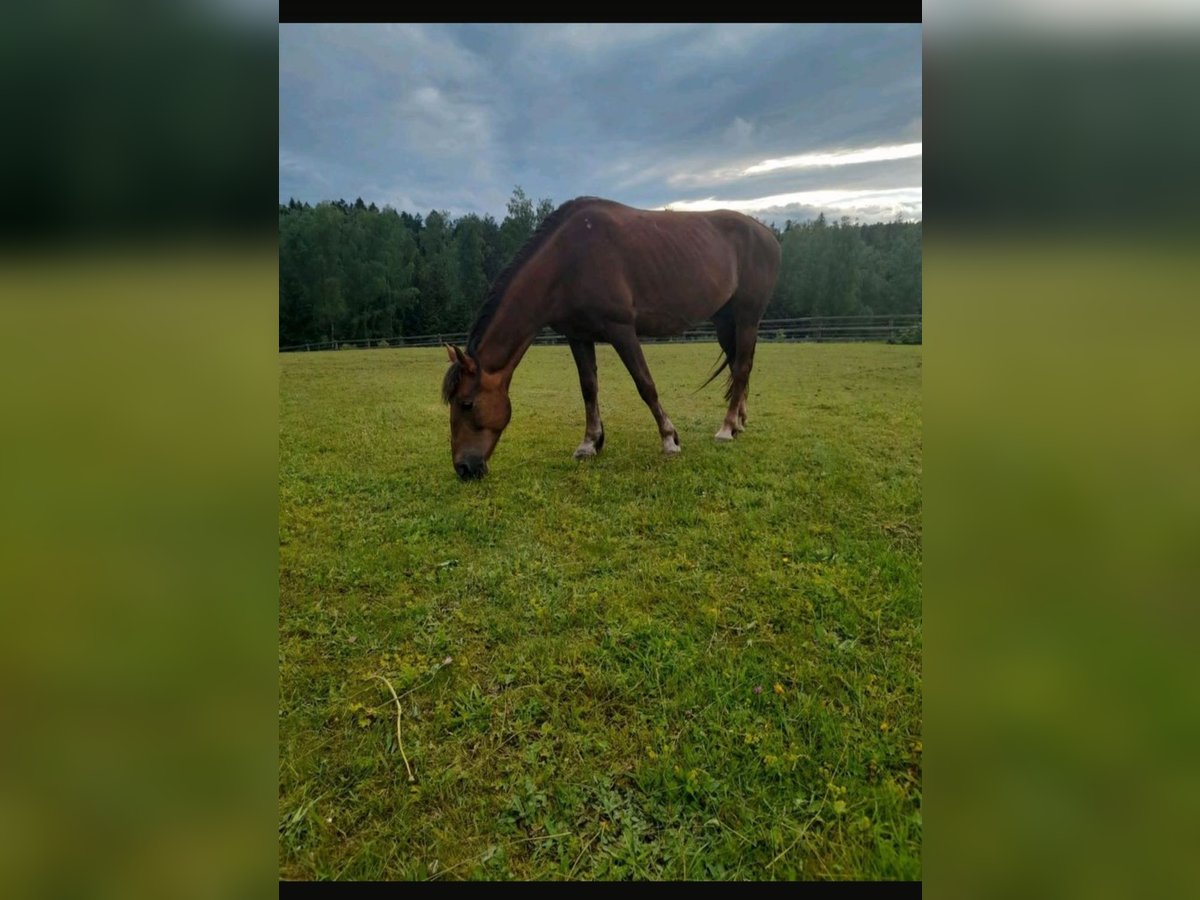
[450,382]
[496,292]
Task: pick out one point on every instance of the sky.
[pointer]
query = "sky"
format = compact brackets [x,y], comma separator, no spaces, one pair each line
[779,121]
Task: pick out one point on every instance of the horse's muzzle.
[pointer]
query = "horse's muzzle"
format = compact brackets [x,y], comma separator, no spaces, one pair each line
[471,468]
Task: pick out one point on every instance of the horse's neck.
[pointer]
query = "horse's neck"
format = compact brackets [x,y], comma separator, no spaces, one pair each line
[515,324]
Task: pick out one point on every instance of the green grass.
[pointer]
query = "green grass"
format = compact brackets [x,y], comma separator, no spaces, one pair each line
[609,624]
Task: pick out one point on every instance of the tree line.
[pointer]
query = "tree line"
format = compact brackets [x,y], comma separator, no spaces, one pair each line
[349,271]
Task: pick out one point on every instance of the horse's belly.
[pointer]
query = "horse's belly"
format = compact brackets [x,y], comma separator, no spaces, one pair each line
[661,323]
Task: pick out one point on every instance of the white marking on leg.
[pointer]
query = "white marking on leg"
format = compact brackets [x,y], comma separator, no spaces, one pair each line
[725,434]
[585,450]
[671,441]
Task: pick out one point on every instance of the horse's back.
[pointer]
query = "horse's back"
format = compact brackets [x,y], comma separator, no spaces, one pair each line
[671,269]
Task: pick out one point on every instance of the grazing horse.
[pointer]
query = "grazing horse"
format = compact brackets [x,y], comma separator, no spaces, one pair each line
[596,270]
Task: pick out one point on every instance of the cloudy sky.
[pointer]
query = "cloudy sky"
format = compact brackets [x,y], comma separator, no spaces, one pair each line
[775,120]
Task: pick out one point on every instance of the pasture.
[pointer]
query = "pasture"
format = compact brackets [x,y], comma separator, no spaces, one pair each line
[701,667]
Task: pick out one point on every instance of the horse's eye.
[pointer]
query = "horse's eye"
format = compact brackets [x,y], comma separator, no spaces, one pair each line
[466,405]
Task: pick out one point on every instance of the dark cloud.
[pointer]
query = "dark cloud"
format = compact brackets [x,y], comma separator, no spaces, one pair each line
[452,116]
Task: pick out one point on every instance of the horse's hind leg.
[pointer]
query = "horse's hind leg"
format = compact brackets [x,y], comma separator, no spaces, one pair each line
[735,418]
[727,337]
[593,435]
[626,344]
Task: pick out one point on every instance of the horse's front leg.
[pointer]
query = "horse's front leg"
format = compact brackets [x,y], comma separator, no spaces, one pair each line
[630,350]
[593,435]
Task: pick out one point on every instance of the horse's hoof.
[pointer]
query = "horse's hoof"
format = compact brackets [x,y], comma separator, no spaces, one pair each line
[724,436]
[671,447]
[585,451]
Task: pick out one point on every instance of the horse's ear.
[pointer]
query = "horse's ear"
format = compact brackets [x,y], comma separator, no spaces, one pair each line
[462,359]
[451,352]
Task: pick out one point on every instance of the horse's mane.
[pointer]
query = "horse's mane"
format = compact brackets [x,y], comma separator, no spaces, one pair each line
[498,288]
[450,382]
[496,292]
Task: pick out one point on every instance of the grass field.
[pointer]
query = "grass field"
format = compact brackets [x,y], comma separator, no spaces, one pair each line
[706,667]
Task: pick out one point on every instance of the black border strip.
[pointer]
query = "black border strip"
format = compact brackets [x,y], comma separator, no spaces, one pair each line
[905,889]
[374,11]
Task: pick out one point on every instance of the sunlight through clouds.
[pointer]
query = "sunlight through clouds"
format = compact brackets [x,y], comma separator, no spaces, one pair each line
[838,158]
[906,201]
[454,116]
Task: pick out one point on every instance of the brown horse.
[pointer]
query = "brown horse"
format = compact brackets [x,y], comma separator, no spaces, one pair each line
[596,270]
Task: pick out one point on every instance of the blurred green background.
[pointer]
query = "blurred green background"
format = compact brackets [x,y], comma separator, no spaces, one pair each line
[1062,481]
[138,278]
[1061,498]
[138,284]
[137,541]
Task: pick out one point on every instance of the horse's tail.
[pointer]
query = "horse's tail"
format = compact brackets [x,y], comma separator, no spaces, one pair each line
[722,364]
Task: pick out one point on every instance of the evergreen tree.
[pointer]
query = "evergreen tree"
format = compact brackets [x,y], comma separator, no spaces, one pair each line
[357,271]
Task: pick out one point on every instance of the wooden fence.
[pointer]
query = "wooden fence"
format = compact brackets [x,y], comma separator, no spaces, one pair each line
[824,329]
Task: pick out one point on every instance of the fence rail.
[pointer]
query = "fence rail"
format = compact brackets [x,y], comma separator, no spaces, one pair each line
[824,329]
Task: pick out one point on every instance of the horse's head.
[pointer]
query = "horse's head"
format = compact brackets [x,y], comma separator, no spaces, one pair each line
[479,412]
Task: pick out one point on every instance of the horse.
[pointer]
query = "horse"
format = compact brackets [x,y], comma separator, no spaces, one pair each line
[599,271]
